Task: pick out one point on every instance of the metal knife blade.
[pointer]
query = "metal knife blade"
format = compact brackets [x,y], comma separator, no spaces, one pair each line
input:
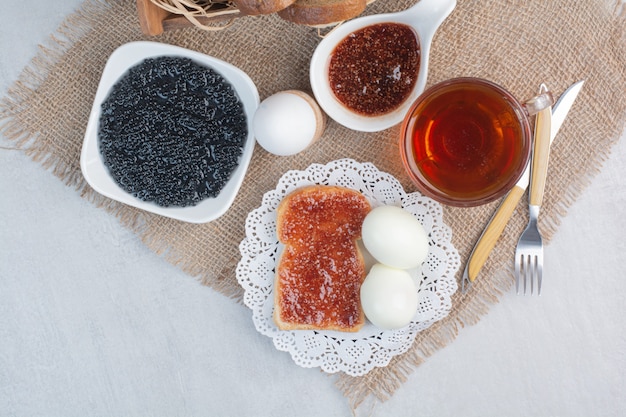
[559,113]
[496,225]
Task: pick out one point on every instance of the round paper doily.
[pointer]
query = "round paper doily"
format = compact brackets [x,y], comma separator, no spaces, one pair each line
[352,353]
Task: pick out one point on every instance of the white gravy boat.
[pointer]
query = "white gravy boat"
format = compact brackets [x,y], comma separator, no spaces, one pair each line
[424,17]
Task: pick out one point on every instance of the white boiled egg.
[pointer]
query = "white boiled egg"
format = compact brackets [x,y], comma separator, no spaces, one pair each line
[288,122]
[395,237]
[389,297]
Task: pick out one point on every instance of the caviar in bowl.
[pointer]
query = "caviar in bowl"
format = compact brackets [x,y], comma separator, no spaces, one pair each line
[170,131]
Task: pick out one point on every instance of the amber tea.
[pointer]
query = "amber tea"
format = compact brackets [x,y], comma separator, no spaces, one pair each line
[466,140]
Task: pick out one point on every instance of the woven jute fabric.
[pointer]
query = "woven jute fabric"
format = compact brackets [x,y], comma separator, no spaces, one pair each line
[517,44]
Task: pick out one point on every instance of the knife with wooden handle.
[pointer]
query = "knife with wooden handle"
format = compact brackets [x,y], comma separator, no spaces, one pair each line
[498,222]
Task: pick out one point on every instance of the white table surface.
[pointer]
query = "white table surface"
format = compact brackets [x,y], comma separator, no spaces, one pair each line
[92,323]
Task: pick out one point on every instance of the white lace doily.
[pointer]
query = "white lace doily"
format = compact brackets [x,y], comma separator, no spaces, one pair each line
[352,353]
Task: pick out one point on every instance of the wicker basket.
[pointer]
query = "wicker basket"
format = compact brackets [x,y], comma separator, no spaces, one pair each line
[157,16]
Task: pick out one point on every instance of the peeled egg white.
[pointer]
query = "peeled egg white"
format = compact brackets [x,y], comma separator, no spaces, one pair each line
[288,122]
[394,237]
[389,297]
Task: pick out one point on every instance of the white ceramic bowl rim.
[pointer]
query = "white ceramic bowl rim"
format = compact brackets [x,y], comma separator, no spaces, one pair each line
[424,17]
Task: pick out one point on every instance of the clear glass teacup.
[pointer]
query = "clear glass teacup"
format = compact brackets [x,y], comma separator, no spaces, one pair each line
[466,141]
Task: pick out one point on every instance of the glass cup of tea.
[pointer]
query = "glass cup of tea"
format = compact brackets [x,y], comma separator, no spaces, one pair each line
[466,141]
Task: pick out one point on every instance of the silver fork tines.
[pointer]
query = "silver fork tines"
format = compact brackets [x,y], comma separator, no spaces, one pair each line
[529,256]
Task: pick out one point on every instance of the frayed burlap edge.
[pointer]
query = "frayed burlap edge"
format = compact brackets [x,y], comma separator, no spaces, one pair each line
[359,391]
[379,384]
[13,127]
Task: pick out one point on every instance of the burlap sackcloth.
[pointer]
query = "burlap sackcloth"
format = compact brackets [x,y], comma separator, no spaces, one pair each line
[518,44]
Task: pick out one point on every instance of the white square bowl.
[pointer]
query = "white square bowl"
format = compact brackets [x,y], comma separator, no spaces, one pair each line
[92,163]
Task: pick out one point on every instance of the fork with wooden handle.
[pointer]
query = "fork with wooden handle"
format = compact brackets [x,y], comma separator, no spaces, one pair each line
[488,239]
[529,252]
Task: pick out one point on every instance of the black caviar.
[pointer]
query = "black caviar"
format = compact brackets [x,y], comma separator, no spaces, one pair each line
[172,131]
